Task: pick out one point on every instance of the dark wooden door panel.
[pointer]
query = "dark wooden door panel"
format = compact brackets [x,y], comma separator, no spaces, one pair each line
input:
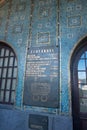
[83,124]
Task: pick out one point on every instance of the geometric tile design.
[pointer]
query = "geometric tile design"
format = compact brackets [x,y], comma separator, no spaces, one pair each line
[44,34]
[44,12]
[74,21]
[43,38]
[21,6]
[17,28]
[44,31]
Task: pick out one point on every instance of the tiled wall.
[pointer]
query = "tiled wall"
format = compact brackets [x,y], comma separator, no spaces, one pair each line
[15,21]
[73,17]
[60,23]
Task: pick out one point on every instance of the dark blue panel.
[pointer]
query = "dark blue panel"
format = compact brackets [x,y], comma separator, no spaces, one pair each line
[38,122]
[41,78]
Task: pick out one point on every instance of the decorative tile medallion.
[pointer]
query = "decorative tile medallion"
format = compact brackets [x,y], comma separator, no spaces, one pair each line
[74,21]
[44,12]
[43,38]
[17,29]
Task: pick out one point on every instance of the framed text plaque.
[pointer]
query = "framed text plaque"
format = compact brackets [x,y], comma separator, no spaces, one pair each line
[38,122]
[41,77]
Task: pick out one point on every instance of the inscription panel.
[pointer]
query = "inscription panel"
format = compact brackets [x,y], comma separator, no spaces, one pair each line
[41,78]
[38,122]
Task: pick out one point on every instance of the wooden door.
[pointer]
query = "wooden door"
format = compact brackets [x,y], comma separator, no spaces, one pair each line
[79,86]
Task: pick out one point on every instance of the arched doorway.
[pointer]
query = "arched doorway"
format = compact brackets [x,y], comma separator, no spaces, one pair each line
[8,74]
[79,86]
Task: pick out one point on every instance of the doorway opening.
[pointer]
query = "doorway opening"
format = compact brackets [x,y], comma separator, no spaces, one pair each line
[78,70]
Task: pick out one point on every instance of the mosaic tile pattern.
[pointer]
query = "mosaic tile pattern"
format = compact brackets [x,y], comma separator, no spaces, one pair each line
[14,30]
[74,21]
[44,22]
[73,28]
[16,23]
[43,38]
[3,21]
[21,30]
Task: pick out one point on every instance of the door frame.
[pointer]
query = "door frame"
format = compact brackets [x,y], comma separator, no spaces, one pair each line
[73,77]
